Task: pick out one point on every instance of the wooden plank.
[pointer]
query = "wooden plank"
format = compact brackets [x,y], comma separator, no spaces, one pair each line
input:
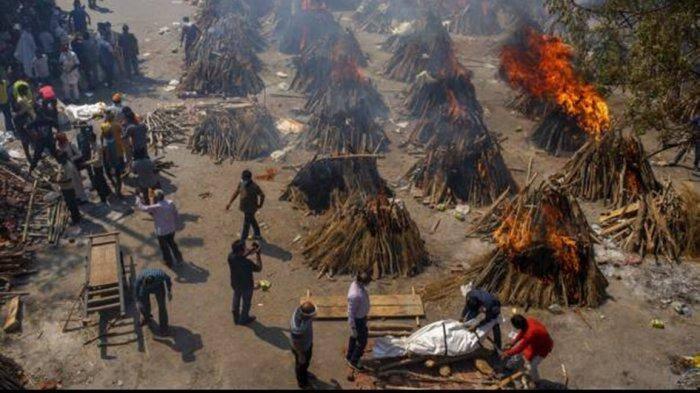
[631,208]
[13,323]
[103,261]
[393,306]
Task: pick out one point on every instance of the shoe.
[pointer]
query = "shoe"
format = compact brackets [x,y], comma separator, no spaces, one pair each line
[248,321]
[258,238]
[355,366]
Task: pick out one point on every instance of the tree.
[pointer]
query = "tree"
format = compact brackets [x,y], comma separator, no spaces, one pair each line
[646,48]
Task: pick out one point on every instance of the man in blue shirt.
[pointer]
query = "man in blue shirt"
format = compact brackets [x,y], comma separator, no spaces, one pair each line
[153,281]
[481,301]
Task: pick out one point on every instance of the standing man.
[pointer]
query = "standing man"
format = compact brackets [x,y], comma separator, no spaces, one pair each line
[146,177]
[533,341]
[153,282]
[25,114]
[79,18]
[478,301]
[358,310]
[189,35]
[130,47]
[107,60]
[66,185]
[302,334]
[43,128]
[136,132]
[165,217]
[70,73]
[252,199]
[242,283]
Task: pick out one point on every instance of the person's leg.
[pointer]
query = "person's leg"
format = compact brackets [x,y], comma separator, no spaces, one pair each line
[72,205]
[246,226]
[236,306]
[298,370]
[135,64]
[362,334]
[497,336]
[7,115]
[76,91]
[247,299]
[165,250]
[352,344]
[532,368]
[162,310]
[144,305]
[254,223]
[173,247]
[66,89]
[38,153]
[306,364]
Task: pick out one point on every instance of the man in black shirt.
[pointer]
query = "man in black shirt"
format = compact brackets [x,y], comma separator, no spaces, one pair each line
[242,270]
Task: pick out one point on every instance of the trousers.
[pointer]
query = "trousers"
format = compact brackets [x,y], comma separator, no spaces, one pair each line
[169,248]
[242,299]
[357,345]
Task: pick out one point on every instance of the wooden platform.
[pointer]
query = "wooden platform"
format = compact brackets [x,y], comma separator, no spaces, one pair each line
[382,306]
[104,274]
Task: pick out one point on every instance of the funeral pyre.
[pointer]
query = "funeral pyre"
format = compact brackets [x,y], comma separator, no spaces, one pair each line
[426,48]
[224,60]
[327,182]
[544,252]
[310,23]
[374,235]
[385,16]
[238,131]
[541,66]
[472,17]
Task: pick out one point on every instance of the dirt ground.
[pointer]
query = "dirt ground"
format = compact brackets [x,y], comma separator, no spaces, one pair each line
[612,346]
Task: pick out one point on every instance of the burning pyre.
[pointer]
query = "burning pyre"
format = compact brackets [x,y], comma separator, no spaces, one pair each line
[383,16]
[472,17]
[428,48]
[540,66]
[223,60]
[310,23]
[544,255]
[374,235]
[327,182]
[237,132]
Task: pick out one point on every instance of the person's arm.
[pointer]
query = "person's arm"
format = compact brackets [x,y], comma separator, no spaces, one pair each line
[353,307]
[261,196]
[182,35]
[519,344]
[169,285]
[136,45]
[145,208]
[233,197]
[258,265]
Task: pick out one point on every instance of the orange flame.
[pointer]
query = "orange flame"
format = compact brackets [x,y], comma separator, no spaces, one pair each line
[454,109]
[544,70]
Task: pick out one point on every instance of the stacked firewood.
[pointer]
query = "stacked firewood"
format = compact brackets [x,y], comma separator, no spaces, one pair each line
[428,48]
[529,106]
[237,132]
[544,255]
[374,235]
[168,124]
[656,223]
[476,17]
[11,374]
[382,16]
[327,182]
[428,93]
[313,22]
[223,61]
[343,132]
[558,134]
[314,65]
[614,169]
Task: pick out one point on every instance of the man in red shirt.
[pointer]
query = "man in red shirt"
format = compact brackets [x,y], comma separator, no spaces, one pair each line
[533,341]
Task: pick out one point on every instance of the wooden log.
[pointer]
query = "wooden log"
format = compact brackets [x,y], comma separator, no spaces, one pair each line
[13,322]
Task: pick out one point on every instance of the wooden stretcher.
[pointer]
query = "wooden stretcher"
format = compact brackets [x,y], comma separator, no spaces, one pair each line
[104,275]
[382,306]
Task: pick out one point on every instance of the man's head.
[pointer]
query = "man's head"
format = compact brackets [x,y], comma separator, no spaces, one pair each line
[125,28]
[129,114]
[308,310]
[363,278]
[109,114]
[519,322]
[23,90]
[64,48]
[238,247]
[473,303]
[76,4]
[246,175]
[61,138]
[86,35]
[117,98]
[158,196]
[186,19]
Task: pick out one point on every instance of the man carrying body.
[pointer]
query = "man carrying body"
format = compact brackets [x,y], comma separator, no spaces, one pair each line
[481,301]
[302,334]
[358,310]
[533,341]
[252,199]
[153,282]
[242,283]
[165,218]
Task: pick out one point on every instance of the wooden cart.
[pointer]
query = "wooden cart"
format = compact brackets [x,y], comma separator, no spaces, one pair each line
[105,279]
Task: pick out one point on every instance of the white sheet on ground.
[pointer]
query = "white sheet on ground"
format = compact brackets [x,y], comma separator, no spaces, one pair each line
[84,112]
[441,338]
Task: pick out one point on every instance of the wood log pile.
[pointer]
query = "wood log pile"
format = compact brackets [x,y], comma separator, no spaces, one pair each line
[614,169]
[428,48]
[314,65]
[656,223]
[327,182]
[345,133]
[223,60]
[169,124]
[529,106]
[558,134]
[374,235]
[544,255]
[475,18]
[11,375]
[236,132]
[382,16]
[310,24]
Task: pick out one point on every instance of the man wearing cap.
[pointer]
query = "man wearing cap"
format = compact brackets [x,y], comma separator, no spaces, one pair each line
[302,335]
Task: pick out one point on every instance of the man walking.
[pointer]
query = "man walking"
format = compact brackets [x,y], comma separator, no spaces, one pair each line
[533,341]
[358,309]
[478,301]
[153,282]
[242,283]
[165,217]
[302,334]
[252,199]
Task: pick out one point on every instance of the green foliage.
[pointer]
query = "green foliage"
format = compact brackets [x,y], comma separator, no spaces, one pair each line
[646,48]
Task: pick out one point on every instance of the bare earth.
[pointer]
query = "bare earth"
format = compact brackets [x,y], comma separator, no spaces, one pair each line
[618,350]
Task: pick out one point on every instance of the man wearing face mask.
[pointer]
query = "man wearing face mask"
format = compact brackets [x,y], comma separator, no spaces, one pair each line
[252,199]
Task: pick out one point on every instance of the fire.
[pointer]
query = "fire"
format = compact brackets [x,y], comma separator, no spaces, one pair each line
[345,69]
[454,109]
[543,68]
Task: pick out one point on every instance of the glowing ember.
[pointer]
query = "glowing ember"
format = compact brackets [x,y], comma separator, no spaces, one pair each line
[543,68]
[345,69]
